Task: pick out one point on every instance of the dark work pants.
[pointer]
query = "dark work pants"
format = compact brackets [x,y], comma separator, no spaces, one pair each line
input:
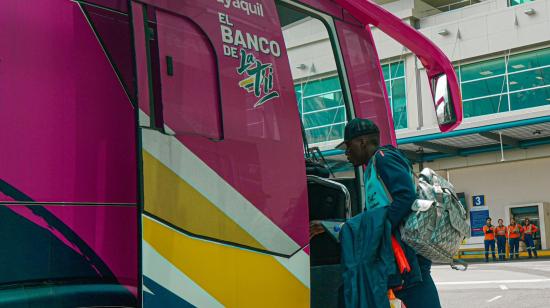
[489,244]
[530,244]
[421,295]
[501,245]
[514,247]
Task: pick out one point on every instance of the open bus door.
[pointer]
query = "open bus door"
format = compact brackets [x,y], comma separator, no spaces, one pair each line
[361,84]
[223,174]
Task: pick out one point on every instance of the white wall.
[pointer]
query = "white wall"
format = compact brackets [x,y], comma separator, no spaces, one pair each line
[487,29]
[308,43]
[524,177]
[506,183]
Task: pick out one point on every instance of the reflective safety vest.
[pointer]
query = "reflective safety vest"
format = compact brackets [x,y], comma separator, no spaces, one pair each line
[489,232]
[514,231]
[530,229]
[501,231]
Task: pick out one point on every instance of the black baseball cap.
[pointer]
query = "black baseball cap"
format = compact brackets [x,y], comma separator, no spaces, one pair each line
[357,127]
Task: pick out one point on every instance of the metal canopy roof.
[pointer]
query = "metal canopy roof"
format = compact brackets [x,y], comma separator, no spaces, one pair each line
[519,134]
[469,141]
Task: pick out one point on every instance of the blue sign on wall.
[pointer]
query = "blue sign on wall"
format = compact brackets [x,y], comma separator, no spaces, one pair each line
[477,221]
[478,200]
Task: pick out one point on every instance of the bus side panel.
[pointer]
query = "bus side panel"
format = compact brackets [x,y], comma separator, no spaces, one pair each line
[67,125]
[215,209]
[65,243]
[68,136]
[179,270]
[260,158]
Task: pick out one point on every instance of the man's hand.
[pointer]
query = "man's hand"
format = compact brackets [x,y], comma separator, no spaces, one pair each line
[315,228]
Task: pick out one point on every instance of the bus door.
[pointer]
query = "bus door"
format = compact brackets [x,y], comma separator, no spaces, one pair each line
[223,175]
[337,76]
[322,47]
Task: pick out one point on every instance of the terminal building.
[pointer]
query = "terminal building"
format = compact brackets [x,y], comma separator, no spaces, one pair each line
[499,157]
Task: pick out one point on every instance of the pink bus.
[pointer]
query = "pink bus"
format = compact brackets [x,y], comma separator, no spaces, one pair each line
[152,150]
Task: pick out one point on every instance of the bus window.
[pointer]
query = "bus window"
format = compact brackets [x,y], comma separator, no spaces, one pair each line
[365,79]
[190,85]
[317,79]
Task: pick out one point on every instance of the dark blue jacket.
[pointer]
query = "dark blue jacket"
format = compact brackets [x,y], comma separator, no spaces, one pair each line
[395,170]
[367,258]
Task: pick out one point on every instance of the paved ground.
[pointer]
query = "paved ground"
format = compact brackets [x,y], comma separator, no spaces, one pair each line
[509,284]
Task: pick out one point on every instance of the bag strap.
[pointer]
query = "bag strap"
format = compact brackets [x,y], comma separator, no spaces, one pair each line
[390,197]
[373,166]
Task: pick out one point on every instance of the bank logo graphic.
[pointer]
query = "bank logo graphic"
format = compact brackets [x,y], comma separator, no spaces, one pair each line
[258,78]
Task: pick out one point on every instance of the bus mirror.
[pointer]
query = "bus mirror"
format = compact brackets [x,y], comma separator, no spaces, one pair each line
[444,107]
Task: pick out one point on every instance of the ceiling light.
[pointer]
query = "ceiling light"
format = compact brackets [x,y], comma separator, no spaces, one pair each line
[537,132]
[548,99]
[485,73]
[513,83]
[539,78]
[443,32]
[518,66]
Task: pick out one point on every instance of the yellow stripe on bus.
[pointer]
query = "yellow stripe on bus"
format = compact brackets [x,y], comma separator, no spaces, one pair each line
[235,277]
[169,197]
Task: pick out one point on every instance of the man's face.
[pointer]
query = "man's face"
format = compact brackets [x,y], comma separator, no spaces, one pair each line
[360,150]
[526,221]
[513,222]
[500,222]
[488,221]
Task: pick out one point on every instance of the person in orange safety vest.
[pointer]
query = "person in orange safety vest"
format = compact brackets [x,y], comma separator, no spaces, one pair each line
[501,234]
[489,231]
[529,230]
[514,233]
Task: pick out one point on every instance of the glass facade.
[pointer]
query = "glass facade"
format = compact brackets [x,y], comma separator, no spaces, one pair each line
[394,76]
[518,2]
[322,108]
[508,83]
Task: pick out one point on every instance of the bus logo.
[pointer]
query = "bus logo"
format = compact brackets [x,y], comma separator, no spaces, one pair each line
[258,78]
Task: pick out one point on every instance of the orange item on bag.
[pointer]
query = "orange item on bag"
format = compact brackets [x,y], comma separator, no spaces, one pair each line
[400,258]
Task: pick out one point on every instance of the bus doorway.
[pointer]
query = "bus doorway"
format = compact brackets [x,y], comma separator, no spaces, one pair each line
[323,100]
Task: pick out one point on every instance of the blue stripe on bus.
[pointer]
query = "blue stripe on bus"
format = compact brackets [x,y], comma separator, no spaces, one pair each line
[161,296]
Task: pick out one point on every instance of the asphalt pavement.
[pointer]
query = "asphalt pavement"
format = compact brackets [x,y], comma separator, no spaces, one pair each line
[505,284]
